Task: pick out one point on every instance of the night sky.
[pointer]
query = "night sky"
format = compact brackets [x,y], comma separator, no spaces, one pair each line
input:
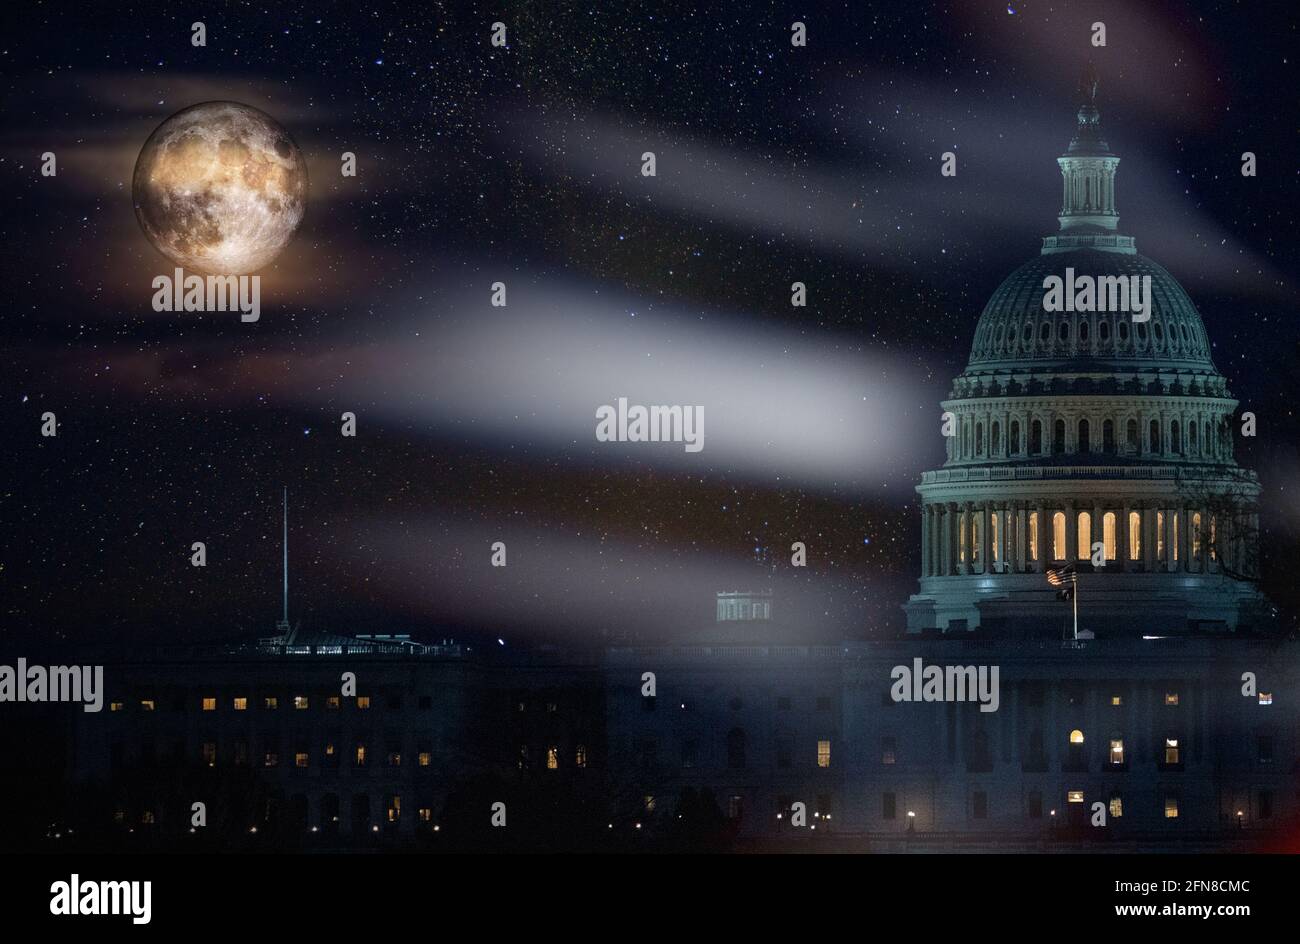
[522,165]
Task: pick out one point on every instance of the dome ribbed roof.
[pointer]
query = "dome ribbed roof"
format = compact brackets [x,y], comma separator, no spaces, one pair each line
[1016,333]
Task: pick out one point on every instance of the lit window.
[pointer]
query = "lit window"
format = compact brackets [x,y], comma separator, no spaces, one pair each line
[210,753]
[1214,547]
[1196,534]
[119,816]
[363,701]
[270,759]
[1171,750]
[1266,698]
[1171,807]
[147,817]
[300,702]
[1076,736]
[270,702]
[649,803]
[552,707]
[1171,698]
[424,759]
[1116,806]
[147,704]
[1084,536]
[1134,536]
[241,703]
[823,753]
[1075,796]
[1116,700]
[333,701]
[329,750]
[1160,535]
[300,759]
[1058,536]
[426,814]
[580,756]
[394,758]
[115,706]
[1117,751]
[1033,535]
[209,704]
[361,755]
[735,806]
[1108,535]
[394,808]
[552,758]
[1177,522]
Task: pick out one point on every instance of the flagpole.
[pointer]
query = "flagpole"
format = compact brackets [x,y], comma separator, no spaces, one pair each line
[1075,578]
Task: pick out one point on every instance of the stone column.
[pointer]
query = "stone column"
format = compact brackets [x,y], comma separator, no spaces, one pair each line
[1071,532]
[1040,562]
[1122,549]
[1148,513]
[1170,565]
[926,524]
[986,539]
[1098,530]
[964,535]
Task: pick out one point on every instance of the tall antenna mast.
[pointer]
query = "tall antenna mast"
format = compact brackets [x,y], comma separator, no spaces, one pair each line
[283,625]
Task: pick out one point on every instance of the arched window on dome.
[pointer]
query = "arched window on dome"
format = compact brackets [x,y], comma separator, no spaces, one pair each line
[1058,437]
[1085,436]
[1063,332]
[1175,438]
[1036,438]
[1013,440]
[1045,332]
[995,439]
[1083,331]
[1122,330]
[1108,536]
[1154,444]
[1103,330]
[1028,334]
[1083,539]
[1134,535]
[1159,332]
[1131,434]
[1142,331]
[1058,536]
[1108,436]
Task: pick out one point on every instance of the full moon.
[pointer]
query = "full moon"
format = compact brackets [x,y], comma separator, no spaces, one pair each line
[220,187]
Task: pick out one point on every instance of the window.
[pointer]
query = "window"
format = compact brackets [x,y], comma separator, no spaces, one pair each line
[735,806]
[147,704]
[209,754]
[1196,534]
[1074,796]
[1084,536]
[300,702]
[1171,807]
[394,808]
[360,757]
[425,814]
[363,702]
[1172,754]
[553,758]
[333,701]
[1076,736]
[1117,751]
[1058,536]
[1177,522]
[980,804]
[1171,699]
[209,703]
[1033,535]
[1266,698]
[649,803]
[888,751]
[823,753]
[394,756]
[1116,701]
[1108,538]
[300,759]
[115,706]
[270,703]
[270,758]
[580,756]
[241,703]
[1160,535]
[1116,805]
[1134,535]
[888,806]
[424,758]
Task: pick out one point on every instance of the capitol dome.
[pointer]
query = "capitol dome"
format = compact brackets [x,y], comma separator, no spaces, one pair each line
[1091,434]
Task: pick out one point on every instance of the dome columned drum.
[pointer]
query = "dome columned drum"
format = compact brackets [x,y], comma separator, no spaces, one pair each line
[1099,441]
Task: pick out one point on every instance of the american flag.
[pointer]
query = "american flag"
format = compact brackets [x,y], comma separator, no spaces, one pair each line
[1059,578]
